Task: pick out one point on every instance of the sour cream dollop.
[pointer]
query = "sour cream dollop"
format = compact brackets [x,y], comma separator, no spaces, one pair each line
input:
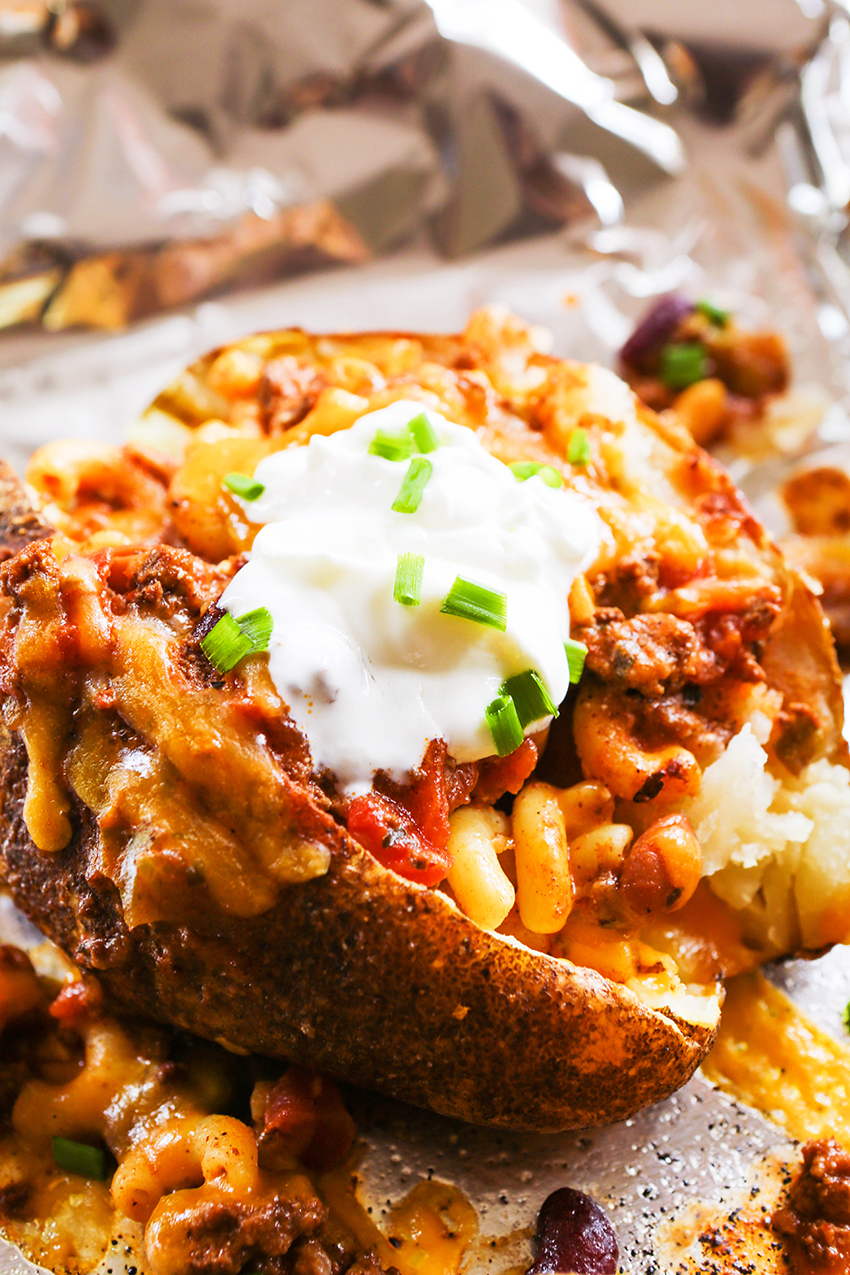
[368,680]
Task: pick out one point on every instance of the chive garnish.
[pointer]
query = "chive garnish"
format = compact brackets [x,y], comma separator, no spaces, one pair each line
[713,313]
[578,448]
[415,480]
[242,485]
[424,435]
[524,469]
[531,699]
[504,725]
[475,602]
[231,639]
[845,1017]
[396,444]
[225,644]
[257,626]
[79,1157]
[408,579]
[682,364]
[576,655]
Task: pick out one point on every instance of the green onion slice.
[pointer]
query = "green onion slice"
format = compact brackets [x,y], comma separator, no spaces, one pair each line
[531,699]
[424,435]
[713,313]
[396,444]
[845,1018]
[408,579]
[503,722]
[550,476]
[79,1157]
[576,655]
[475,602]
[578,448]
[225,644]
[415,481]
[525,469]
[683,363]
[232,639]
[257,626]
[243,486]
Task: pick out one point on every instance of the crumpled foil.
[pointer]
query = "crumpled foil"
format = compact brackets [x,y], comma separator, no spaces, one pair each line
[153,152]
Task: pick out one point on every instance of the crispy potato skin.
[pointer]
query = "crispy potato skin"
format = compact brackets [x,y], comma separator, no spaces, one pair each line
[20,524]
[371,979]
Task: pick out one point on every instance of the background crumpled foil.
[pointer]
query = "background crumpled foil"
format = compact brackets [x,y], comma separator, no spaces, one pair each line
[153,151]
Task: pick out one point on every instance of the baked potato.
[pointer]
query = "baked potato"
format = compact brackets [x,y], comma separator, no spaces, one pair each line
[165,821]
[817,499]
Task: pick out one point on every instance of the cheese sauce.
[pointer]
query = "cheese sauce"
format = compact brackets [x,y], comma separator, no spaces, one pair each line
[370,681]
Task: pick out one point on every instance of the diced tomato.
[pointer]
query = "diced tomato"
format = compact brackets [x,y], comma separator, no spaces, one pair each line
[77,1004]
[306,1114]
[506,774]
[391,834]
[426,799]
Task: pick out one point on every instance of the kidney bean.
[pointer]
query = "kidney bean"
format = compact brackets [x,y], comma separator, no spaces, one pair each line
[655,328]
[575,1236]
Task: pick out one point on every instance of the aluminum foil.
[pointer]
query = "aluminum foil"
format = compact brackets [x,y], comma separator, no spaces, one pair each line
[153,152]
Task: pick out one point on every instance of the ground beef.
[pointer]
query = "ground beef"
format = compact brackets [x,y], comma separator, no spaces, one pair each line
[653,654]
[221,1237]
[627,584]
[816,1217]
[289,390]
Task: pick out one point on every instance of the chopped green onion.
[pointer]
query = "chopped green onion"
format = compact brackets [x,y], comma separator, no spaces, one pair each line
[231,639]
[578,448]
[504,725]
[683,363]
[845,1017]
[550,476]
[531,699]
[257,626]
[424,435]
[525,469]
[713,313]
[225,644]
[415,480]
[242,485]
[408,579]
[392,444]
[576,655]
[80,1158]
[475,602]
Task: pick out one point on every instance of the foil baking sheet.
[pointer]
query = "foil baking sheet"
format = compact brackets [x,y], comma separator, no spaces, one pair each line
[155,153]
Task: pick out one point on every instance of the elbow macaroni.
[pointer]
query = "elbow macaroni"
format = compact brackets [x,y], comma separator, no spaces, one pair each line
[478,834]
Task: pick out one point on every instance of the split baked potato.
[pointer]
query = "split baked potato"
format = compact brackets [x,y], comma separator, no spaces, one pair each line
[164,824]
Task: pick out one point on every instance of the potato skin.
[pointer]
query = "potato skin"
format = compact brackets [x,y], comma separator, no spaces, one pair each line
[376,981]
